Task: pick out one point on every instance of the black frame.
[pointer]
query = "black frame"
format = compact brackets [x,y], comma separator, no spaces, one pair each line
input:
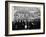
[6,17]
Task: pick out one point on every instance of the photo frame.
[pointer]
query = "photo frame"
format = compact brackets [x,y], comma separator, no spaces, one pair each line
[24,18]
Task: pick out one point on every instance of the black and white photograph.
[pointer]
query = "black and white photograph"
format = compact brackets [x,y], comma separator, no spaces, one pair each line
[24,18]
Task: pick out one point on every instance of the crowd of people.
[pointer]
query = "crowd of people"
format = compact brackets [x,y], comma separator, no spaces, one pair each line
[26,19]
[24,24]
